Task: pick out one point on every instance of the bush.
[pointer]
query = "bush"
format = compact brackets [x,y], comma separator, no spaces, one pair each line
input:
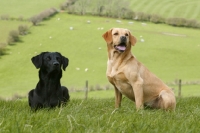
[21,18]
[5,17]
[126,13]
[48,13]
[13,37]
[156,19]
[141,16]
[43,15]
[66,5]
[2,48]
[35,19]
[23,29]
[129,14]
[176,21]
[82,6]
[115,8]
[71,10]
[182,22]
[198,25]
[192,23]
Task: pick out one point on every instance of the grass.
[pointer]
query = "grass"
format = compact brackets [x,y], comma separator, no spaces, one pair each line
[167,9]
[99,115]
[169,52]
[15,9]
[177,8]
[7,26]
[169,57]
[100,94]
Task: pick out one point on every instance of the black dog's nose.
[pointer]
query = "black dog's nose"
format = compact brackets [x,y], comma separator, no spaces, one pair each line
[56,63]
[123,38]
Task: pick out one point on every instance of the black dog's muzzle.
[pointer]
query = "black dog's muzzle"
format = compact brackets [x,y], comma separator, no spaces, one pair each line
[56,63]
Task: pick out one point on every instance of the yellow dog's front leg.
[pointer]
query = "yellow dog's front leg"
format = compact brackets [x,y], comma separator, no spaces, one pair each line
[118,98]
[138,92]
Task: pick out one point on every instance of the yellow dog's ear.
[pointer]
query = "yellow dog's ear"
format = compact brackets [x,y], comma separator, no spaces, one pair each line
[108,36]
[132,39]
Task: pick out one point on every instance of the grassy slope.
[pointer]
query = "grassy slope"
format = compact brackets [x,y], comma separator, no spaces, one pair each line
[98,115]
[26,8]
[7,26]
[13,8]
[177,8]
[169,57]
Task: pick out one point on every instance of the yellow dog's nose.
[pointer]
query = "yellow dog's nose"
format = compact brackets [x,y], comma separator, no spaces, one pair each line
[123,39]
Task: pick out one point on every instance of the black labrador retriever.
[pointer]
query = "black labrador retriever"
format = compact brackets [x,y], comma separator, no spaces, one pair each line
[49,92]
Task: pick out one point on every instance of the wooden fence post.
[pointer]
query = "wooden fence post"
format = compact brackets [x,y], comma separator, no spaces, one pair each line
[179,88]
[86,90]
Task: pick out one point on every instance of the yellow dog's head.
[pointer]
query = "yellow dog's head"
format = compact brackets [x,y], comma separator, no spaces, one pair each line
[119,39]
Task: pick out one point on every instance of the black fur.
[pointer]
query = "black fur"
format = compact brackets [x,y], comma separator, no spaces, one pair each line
[49,92]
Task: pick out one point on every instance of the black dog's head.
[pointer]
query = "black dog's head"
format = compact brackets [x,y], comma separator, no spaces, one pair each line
[50,61]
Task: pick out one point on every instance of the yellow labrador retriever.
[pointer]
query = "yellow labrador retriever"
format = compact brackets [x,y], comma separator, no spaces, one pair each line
[130,77]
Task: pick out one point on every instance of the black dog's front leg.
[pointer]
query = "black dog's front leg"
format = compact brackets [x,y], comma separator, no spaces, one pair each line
[65,93]
[32,100]
[30,97]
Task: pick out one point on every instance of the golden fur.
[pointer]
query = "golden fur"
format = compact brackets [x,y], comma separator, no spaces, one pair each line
[130,77]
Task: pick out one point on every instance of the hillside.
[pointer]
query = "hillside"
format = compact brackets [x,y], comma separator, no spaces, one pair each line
[176,8]
[165,8]
[24,9]
[171,53]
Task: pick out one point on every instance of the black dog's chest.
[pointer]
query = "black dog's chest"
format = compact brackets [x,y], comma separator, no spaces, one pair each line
[51,101]
[50,95]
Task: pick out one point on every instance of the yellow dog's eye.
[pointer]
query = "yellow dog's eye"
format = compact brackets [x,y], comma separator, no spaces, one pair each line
[116,34]
[126,34]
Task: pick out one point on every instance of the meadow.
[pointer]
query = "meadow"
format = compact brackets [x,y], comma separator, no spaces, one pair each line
[176,8]
[26,9]
[7,26]
[99,116]
[170,52]
[168,9]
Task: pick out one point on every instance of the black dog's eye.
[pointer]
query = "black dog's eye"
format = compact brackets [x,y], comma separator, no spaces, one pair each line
[115,33]
[58,58]
[126,34]
[48,58]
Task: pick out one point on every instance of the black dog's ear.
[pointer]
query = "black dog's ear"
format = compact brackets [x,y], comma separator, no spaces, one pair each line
[37,60]
[65,62]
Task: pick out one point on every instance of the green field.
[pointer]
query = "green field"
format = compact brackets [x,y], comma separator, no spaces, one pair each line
[7,26]
[169,52]
[99,116]
[177,8]
[26,9]
[166,8]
